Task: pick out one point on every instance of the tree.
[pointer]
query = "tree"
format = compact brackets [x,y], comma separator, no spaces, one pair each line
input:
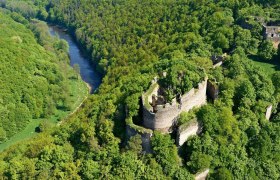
[199,161]
[76,68]
[222,174]
[266,50]
[44,126]
[135,144]
[90,169]
[61,45]
[3,136]
[165,152]
[221,41]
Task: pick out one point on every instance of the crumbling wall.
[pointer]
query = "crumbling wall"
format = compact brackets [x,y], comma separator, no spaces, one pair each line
[268,112]
[187,130]
[217,64]
[196,98]
[273,33]
[166,116]
[203,175]
[155,91]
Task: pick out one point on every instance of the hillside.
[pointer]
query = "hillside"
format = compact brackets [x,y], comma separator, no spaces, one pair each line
[33,85]
[131,42]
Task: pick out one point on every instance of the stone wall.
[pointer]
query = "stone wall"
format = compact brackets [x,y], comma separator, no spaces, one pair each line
[268,112]
[187,130]
[166,116]
[217,64]
[273,33]
[202,176]
[155,91]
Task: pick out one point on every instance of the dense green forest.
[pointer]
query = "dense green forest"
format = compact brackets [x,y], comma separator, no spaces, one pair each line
[132,41]
[34,79]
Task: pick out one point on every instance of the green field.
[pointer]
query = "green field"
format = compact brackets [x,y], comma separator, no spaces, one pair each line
[79,91]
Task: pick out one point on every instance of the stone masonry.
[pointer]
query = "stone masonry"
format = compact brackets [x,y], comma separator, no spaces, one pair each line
[273,33]
[185,131]
[203,175]
[268,112]
[166,116]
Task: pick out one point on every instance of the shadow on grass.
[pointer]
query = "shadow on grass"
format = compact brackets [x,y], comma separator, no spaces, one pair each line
[274,63]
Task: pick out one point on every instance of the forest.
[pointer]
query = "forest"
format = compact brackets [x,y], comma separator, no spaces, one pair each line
[130,42]
[34,75]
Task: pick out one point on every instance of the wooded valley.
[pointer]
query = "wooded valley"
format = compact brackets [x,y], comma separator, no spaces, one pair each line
[130,42]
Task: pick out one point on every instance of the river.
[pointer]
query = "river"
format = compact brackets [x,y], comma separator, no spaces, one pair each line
[87,71]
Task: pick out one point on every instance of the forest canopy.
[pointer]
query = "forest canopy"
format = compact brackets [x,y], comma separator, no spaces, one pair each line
[33,84]
[127,41]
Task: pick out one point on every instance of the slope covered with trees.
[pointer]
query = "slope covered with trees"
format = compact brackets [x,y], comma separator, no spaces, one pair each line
[129,41]
[34,81]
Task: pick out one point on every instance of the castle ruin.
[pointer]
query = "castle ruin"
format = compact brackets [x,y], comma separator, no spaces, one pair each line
[162,116]
[273,33]
[187,130]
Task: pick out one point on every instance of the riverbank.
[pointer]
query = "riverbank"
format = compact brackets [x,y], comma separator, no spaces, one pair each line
[78,57]
[78,91]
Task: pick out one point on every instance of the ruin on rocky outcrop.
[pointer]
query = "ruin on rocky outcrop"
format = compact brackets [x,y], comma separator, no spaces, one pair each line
[161,115]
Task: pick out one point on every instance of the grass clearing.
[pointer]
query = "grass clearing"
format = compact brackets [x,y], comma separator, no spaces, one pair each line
[270,67]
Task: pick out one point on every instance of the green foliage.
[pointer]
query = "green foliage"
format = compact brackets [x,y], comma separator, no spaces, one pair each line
[3,135]
[223,174]
[44,126]
[132,41]
[199,161]
[134,144]
[186,117]
[34,82]
[165,153]
[29,77]
[266,50]
[181,76]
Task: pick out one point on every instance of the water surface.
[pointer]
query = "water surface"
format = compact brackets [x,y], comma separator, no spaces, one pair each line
[87,71]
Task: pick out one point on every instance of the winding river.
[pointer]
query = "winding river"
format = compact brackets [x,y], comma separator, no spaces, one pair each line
[88,73]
